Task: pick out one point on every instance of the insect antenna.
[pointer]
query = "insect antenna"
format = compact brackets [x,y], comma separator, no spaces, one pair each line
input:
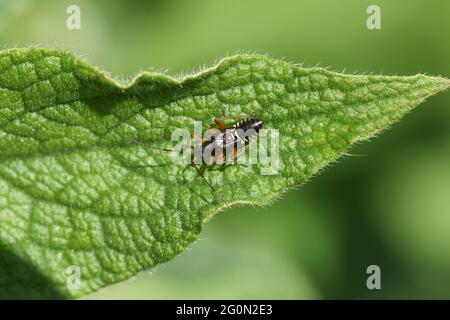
[151,146]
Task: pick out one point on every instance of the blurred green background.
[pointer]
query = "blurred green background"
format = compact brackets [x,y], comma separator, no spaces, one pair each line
[389,207]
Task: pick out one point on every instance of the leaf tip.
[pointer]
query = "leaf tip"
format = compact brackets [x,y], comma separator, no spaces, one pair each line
[439,83]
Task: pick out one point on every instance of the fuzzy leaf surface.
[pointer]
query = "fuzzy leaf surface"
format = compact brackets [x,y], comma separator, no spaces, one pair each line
[75,192]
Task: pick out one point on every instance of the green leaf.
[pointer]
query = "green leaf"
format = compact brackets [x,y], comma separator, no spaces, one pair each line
[75,192]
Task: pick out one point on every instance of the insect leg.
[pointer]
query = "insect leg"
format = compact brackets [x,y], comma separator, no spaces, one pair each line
[200,173]
[218,122]
[198,139]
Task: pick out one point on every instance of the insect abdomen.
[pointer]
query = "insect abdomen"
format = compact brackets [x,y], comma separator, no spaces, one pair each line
[250,128]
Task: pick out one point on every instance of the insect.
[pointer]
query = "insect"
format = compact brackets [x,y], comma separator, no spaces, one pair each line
[232,138]
[228,138]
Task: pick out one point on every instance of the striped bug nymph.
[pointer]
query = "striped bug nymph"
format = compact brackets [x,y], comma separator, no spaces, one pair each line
[230,139]
[224,143]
